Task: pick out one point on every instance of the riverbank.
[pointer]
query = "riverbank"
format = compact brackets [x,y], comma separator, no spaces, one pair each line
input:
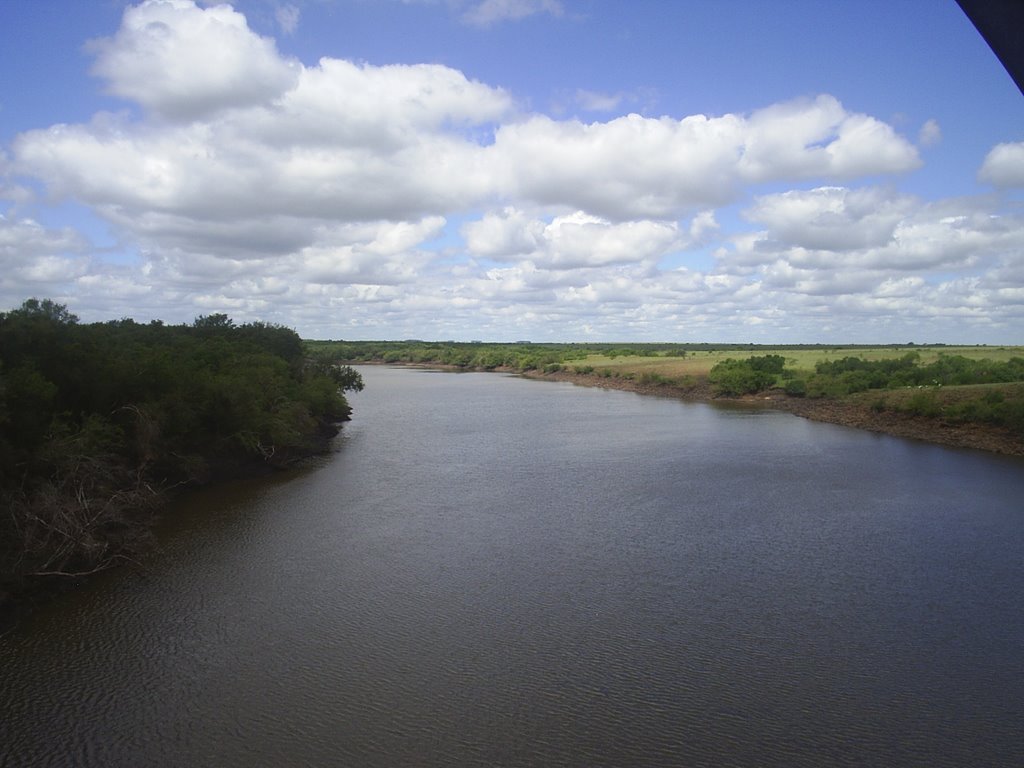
[127,533]
[855,411]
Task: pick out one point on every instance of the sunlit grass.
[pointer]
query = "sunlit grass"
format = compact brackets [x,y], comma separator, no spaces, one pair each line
[699,363]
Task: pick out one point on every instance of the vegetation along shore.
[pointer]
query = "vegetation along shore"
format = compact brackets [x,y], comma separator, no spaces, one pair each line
[100,423]
[960,396]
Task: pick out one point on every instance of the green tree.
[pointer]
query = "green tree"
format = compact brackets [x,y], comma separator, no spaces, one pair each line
[740,377]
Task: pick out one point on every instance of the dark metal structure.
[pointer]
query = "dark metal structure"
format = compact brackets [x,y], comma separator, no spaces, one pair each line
[1001,23]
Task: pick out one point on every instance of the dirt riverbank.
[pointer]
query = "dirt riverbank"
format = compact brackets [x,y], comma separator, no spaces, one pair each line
[851,412]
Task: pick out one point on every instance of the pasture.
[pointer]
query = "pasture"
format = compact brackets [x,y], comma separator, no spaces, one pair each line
[803,359]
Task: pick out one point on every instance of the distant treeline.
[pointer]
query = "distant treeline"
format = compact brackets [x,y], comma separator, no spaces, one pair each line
[97,420]
[525,355]
[518,356]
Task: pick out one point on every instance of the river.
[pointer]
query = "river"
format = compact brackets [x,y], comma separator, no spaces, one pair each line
[492,571]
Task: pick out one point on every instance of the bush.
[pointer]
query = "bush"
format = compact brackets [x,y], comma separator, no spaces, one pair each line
[653,379]
[825,386]
[739,377]
[796,388]
[767,363]
[994,397]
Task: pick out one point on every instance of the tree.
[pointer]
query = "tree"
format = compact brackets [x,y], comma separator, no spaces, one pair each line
[740,377]
[95,419]
[45,309]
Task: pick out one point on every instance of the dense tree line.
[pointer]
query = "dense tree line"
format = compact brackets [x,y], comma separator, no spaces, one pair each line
[98,420]
[522,356]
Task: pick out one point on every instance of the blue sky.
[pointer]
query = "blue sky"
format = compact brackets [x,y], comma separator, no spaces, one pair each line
[563,170]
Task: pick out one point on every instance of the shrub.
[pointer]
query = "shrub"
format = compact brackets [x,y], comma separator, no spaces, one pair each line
[653,379]
[738,377]
[923,404]
[767,363]
[796,388]
[993,397]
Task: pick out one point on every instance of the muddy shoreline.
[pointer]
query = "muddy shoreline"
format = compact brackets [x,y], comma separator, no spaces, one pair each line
[851,412]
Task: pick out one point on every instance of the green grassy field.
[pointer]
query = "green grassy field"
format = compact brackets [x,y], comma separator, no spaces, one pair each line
[699,363]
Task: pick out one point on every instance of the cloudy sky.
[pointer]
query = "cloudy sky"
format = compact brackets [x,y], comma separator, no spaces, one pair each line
[555,170]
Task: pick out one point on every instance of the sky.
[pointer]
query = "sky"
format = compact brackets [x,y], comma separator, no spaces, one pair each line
[792,171]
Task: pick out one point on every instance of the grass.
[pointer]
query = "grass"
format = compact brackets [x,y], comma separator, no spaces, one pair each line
[943,397]
[699,363]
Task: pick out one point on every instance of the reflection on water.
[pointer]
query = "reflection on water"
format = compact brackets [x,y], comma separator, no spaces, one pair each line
[493,571]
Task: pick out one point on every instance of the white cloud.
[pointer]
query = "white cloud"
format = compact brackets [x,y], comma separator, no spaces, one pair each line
[339,104]
[35,260]
[1004,166]
[52,269]
[819,138]
[24,240]
[574,241]
[832,218]
[592,101]
[344,141]
[930,134]
[490,12]
[582,240]
[951,266]
[873,229]
[321,196]
[643,167]
[703,226]
[183,62]
[287,17]
[508,233]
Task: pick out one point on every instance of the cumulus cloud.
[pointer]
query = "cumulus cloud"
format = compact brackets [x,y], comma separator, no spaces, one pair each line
[576,240]
[338,104]
[348,142]
[1004,166]
[819,138]
[510,232]
[832,218]
[35,259]
[702,227]
[23,240]
[951,266]
[353,142]
[634,166]
[841,229]
[351,199]
[182,61]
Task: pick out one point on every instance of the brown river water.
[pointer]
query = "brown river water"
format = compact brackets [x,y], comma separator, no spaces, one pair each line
[491,571]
